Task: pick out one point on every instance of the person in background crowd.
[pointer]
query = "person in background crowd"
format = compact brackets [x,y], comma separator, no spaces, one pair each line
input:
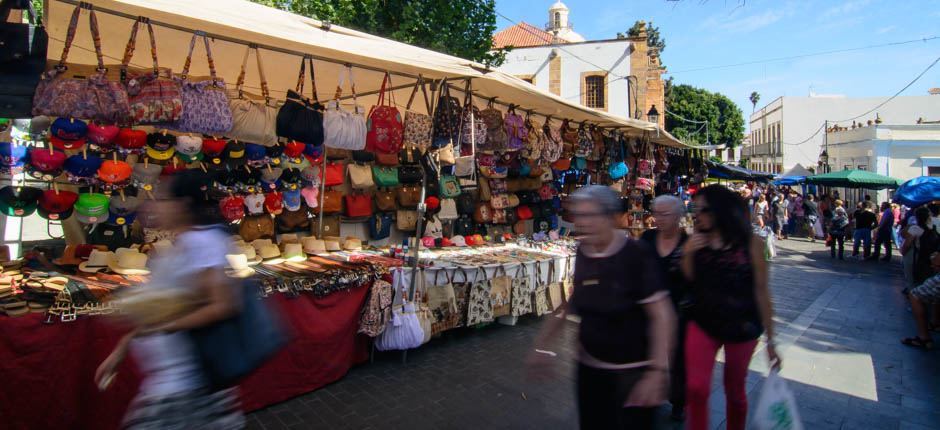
[840,219]
[796,209]
[864,223]
[868,200]
[825,208]
[926,294]
[934,216]
[911,234]
[174,392]
[810,215]
[926,244]
[667,240]
[730,303]
[896,209]
[884,233]
[760,211]
[778,211]
[627,323]
[785,207]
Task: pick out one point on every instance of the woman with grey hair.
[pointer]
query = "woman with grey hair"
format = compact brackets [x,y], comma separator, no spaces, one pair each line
[667,240]
[626,320]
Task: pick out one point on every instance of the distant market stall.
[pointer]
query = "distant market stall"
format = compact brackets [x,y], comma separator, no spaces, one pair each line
[854,179]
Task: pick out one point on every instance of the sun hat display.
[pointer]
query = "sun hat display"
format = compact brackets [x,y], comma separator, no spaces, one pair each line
[251,254]
[162,246]
[129,261]
[238,266]
[289,238]
[19,201]
[45,164]
[68,133]
[332,244]
[293,252]
[97,260]
[270,254]
[56,204]
[91,208]
[312,245]
[352,244]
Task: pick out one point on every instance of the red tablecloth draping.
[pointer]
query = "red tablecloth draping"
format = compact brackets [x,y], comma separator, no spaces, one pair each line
[47,371]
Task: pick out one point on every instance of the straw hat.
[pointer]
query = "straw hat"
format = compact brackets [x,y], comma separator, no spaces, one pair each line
[261,243]
[271,254]
[238,266]
[293,252]
[97,261]
[162,246]
[250,253]
[352,244]
[332,244]
[289,238]
[312,245]
[128,261]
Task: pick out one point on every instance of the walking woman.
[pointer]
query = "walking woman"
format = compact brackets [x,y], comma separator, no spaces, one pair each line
[626,324]
[174,392]
[724,263]
[840,219]
[667,240]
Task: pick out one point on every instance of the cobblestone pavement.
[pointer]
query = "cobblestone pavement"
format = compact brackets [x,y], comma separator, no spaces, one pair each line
[839,325]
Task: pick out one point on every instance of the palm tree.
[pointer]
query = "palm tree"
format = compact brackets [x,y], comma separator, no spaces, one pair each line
[755,97]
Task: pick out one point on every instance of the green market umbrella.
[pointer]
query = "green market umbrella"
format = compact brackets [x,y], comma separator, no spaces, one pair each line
[854,179]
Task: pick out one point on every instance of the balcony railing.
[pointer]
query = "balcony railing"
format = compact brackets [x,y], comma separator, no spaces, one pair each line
[549,26]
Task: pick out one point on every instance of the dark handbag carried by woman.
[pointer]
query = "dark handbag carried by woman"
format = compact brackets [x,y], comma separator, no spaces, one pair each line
[22,59]
[300,118]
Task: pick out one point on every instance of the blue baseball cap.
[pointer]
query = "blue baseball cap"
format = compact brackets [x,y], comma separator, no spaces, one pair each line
[255,152]
[292,200]
[12,155]
[81,167]
[119,219]
[68,133]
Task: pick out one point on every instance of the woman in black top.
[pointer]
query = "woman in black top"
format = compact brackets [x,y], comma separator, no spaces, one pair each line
[730,303]
[667,240]
[626,320]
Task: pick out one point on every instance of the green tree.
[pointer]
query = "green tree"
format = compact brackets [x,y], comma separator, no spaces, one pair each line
[462,28]
[653,38]
[755,97]
[724,117]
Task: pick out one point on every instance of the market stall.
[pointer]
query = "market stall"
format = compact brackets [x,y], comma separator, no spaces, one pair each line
[918,191]
[462,168]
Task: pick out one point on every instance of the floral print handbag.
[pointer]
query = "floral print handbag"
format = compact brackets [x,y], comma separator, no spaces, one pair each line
[540,292]
[151,98]
[377,311]
[500,293]
[418,126]
[522,292]
[206,107]
[479,302]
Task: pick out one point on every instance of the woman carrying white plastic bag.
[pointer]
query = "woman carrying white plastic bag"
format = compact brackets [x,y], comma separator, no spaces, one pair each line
[776,407]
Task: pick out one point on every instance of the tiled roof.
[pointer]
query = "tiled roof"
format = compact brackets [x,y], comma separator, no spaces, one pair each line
[522,34]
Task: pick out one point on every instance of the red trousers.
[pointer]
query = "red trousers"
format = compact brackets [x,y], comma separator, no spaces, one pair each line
[700,351]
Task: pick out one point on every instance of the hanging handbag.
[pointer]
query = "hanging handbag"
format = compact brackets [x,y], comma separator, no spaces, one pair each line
[446,117]
[535,139]
[485,193]
[473,131]
[585,145]
[253,121]
[450,188]
[380,226]
[409,156]
[552,144]
[418,126]
[500,293]
[256,227]
[540,292]
[448,210]
[600,145]
[385,176]
[290,221]
[522,292]
[496,137]
[384,133]
[23,59]
[332,201]
[409,196]
[331,226]
[94,98]
[483,213]
[386,159]
[433,228]
[385,200]
[151,98]
[406,220]
[618,169]
[465,166]
[360,177]
[463,226]
[480,303]
[342,129]
[445,155]
[555,293]
[377,312]
[494,172]
[358,205]
[500,216]
[206,107]
[465,204]
[363,157]
[334,174]
[442,302]
[300,118]
[410,174]
[516,129]
[499,201]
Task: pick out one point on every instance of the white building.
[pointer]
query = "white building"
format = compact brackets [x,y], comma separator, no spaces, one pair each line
[900,151]
[789,130]
[619,76]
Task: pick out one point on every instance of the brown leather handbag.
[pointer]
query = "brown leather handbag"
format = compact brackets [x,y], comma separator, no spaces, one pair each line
[330,226]
[332,201]
[385,200]
[289,221]
[386,159]
[256,227]
[409,196]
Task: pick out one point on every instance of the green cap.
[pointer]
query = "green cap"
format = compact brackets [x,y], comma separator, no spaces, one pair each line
[92,204]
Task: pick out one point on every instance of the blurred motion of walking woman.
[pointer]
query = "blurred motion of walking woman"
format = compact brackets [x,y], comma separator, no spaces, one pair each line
[175,391]
[730,303]
[626,320]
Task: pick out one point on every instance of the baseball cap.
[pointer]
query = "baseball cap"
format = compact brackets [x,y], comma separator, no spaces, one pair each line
[311,175]
[122,220]
[82,167]
[12,155]
[459,241]
[233,208]
[45,163]
[91,208]
[189,148]
[68,133]
[433,203]
[445,242]
[102,135]
[130,140]
[160,146]
[292,200]
[56,205]
[274,153]
[212,150]
[255,204]
[478,240]
[123,205]
[172,169]
[234,153]
[225,180]
[311,196]
[256,155]
[19,201]
[271,178]
[294,149]
[147,175]
[248,181]
[274,203]
[427,242]
[114,172]
[291,179]
[298,163]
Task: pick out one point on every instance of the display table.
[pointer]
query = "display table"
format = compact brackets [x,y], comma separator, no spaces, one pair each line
[47,370]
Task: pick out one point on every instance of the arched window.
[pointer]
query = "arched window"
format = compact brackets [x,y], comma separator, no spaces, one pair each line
[557,20]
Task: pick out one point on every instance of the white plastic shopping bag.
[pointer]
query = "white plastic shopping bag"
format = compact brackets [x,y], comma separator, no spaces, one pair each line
[776,407]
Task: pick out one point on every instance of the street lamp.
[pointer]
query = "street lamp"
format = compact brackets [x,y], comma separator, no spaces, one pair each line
[824,161]
[653,115]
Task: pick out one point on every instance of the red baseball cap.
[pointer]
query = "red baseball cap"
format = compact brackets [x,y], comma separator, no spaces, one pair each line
[274,203]
[102,134]
[432,202]
[114,172]
[233,208]
[46,161]
[294,149]
[171,169]
[129,138]
[56,205]
[64,144]
[212,150]
[446,242]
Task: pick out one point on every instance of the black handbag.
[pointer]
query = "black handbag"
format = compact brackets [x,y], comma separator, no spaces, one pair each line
[363,156]
[463,226]
[300,119]
[410,174]
[409,156]
[22,59]
[465,204]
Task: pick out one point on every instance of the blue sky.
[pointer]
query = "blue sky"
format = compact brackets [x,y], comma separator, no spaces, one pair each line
[703,33]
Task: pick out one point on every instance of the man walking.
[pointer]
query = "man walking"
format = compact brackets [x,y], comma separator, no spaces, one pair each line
[810,214]
[884,233]
[864,222]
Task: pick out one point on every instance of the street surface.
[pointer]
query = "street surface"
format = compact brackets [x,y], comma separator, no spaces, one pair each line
[839,326]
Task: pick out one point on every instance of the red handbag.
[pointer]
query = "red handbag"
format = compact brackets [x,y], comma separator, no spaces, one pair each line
[334,174]
[524,213]
[358,205]
[385,126]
